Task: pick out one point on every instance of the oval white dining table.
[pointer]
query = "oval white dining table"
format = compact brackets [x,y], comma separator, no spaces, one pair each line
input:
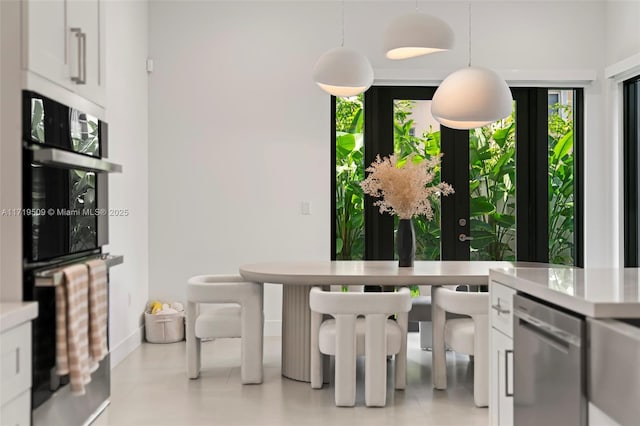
[298,277]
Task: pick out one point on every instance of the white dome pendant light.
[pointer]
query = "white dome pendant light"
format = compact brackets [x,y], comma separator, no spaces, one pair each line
[342,71]
[471,97]
[416,34]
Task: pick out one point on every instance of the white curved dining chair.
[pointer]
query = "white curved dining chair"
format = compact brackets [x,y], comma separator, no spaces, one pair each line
[237,312]
[466,335]
[360,326]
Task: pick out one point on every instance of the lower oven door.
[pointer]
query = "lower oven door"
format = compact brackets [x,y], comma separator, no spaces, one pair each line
[64,211]
[549,366]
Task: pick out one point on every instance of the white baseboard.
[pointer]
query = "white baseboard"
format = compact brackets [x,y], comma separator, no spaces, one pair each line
[273,328]
[129,344]
[126,346]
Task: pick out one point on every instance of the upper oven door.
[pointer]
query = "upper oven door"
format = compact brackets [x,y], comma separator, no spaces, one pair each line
[50,124]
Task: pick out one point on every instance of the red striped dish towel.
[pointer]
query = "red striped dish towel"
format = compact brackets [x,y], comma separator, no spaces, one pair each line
[72,323]
[98,311]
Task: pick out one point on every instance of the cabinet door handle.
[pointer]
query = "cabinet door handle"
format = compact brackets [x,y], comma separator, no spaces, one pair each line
[84,58]
[17,361]
[82,52]
[500,310]
[77,32]
[506,368]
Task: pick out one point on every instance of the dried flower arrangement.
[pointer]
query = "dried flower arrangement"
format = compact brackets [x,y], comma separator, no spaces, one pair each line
[404,185]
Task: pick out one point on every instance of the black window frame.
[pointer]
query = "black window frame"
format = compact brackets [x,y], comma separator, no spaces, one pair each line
[631,162]
[531,162]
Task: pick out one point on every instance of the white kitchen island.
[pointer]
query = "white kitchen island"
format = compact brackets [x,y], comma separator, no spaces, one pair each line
[608,302]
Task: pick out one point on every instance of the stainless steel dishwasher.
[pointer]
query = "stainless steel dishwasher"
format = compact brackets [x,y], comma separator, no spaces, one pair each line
[549,366]
[614,377]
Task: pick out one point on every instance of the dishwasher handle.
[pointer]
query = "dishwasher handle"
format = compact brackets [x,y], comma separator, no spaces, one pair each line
[548,330]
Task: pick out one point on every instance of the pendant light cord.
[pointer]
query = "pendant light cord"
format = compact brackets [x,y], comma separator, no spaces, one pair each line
[469,64]
[342,40]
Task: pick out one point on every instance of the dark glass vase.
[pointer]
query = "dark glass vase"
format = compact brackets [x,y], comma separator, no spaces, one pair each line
[405,243]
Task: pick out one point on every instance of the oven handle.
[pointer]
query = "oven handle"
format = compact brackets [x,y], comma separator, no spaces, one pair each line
[55,277]
[66,159]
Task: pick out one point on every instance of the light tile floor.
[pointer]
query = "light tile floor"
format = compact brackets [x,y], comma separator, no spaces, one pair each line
[150,387]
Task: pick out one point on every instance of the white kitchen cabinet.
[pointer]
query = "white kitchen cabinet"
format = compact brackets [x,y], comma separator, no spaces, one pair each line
[44,34]
[501,354]
[84,18]
[15,362]
[17,412]
[63,48]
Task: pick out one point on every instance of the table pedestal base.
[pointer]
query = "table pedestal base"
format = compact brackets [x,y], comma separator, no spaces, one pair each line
[296,332]
[296,335]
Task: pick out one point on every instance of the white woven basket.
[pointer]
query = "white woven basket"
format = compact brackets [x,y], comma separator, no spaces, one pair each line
[164,328]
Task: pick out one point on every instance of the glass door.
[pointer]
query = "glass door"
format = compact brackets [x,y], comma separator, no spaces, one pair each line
[516,181]
[401,123]
[416,132]
[478,222]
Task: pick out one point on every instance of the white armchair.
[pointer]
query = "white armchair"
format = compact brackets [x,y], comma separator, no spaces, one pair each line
[348,335]
[466,335]
[238,313]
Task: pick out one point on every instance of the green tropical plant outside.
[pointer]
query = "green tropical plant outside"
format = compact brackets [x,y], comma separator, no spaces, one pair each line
[561,185]
[492,189]
[349,174]
[427,145]
[491,183]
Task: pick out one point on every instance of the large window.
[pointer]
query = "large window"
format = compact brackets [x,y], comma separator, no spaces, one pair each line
[631,174]
[562,177]
[517,181]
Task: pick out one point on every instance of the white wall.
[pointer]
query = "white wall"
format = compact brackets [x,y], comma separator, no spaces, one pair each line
[240,136]
[622,29]
[10,152]
[127,115]
[622,43]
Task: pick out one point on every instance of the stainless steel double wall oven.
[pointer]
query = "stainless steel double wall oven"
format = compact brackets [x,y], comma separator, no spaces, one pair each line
[65,221]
